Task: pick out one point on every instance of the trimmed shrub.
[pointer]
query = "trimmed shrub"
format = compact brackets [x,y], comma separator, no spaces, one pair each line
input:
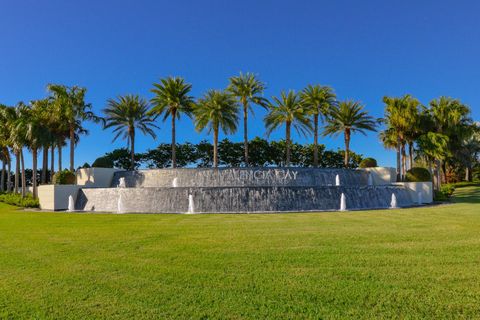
[64,177]
[103,162]
[17,200]
[418,174]
[368,163]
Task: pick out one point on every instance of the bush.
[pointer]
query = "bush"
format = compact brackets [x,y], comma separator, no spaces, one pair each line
[64,177]
[103,162]
[17,200]
[447,189]
[368,163]
[418,174]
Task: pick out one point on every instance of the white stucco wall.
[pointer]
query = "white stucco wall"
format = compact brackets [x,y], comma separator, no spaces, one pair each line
[382,175]
[95,177]
[414,188]
[55,197]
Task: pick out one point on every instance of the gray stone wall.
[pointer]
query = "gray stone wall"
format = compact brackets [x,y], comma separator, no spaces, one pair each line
[240,177]
[239,199]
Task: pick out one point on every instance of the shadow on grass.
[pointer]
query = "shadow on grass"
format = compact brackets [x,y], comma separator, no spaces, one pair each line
[467,193]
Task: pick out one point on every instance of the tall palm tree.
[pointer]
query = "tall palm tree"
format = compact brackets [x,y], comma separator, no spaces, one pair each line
[125,114]
[36,134]
[248,90]
[347,118]
[389,139]
[318,100]
[288,110]
[14,124]
[402,117]
[172,99]
[216,110]
[71,107]
[450,118]
[4,152]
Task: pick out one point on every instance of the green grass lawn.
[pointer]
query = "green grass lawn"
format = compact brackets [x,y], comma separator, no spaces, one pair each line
[413,263]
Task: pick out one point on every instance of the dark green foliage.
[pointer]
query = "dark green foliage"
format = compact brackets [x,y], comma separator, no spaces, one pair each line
[64,177]
[103,162]
[231,154]
[418,174]
[368,163]
[86,165]
[161,157]
[17,200]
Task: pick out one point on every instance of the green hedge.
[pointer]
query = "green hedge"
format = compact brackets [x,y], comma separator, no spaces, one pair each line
[368,163]
[64,177]
[418,174]
[15,199]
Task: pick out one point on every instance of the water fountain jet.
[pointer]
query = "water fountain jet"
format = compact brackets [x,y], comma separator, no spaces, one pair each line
[191,206]
[337,180]
[343,202]
[71,204]
[393,203]
[120,205]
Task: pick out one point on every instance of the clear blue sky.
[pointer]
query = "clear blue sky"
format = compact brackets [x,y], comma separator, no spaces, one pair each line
[364,49]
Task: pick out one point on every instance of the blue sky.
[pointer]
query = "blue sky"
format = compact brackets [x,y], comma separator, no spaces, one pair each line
[363,49]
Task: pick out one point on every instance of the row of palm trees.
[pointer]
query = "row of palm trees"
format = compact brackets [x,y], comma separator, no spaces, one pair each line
[46,125]
[218,110]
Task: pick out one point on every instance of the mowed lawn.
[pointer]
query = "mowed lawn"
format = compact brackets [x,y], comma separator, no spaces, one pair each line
[414,263]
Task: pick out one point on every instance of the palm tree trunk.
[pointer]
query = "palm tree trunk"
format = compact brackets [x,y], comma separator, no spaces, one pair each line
[60,157]
[287,141]
[72,149]
[215,147]
[315,140]
[34,172]
[174,142]
[52,162]
[410,155]
[347,147]
[245,131]
[132,149]
[24,178]
[444,169]
[467,173]
[17,171]
[2,178]
[44,165]
[438,174]
[404,161]
[399,161]
[9,177]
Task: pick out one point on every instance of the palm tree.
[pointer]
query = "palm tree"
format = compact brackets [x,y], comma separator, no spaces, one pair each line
[71,107]
[15,126]
[450,118]
[402,117]
[126,114]
[216,110]
[36,134]
[248,90]
[389,139]
[347,118]
[4,152]
[172,99]
[288,110]
[318,100]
